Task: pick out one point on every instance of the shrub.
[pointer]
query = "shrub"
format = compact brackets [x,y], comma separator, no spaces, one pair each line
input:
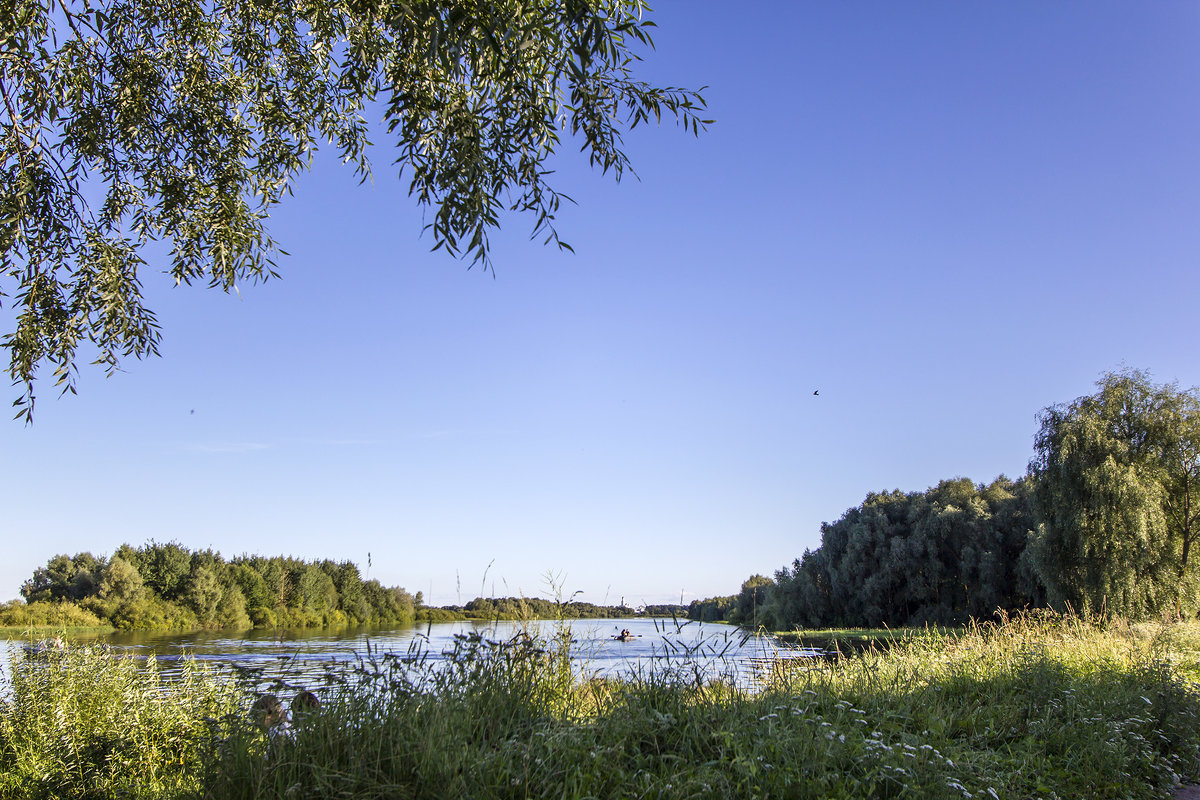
[42,613]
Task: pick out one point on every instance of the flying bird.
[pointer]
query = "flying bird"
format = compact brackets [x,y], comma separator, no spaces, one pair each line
[816,392]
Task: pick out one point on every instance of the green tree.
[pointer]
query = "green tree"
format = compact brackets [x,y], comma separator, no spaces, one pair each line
[203,594]
[51,582]
[121,583]
[254,588]
[278,583]
[348,582]
[1117,498]
[951,553]
[750,601]
[127,122]
[315,591]
[64,578]
[711,609]
[88,571]
[231,609]
[165,568]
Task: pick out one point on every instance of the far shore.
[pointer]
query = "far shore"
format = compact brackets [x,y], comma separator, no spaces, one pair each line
[13,631]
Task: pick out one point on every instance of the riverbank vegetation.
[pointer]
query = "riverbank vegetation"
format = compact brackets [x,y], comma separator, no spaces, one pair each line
[527,608]
[1040,706]
[1105,522]
[168,587]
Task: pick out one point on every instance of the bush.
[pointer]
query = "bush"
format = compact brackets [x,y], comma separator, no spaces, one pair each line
[152,613]
[47,614]
[263,617]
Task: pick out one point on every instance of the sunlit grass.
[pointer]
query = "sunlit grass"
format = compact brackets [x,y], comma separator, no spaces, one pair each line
[84,723]
[1035,707]
[857,636]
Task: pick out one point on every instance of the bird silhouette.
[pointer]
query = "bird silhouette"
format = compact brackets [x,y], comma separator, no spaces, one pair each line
[816,392]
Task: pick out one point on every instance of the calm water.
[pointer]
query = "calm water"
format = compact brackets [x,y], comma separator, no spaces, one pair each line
[716,651]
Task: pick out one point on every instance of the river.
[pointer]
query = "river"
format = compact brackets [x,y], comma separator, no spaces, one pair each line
[301,656]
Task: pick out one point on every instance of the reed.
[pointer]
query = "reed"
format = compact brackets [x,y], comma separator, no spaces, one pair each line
[82,723]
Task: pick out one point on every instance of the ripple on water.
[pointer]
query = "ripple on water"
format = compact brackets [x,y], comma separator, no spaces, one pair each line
[289,660]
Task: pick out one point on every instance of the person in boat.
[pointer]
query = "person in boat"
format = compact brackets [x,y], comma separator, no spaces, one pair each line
[45,647]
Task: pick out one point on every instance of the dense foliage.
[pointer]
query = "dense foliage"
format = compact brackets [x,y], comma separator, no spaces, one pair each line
[166,586]
[124,123]
[943,556]
[712,609]
[1118,498]
[1105,522]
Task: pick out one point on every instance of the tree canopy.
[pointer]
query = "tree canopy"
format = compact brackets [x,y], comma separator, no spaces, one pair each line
[167,586]
[946,555]
[129,122]
[1117,477]
[1106,522]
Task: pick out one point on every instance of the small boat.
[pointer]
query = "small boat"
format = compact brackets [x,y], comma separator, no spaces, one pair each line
[624,636]
[45,647]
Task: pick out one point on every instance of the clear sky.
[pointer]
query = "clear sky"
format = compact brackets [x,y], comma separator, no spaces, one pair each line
[943,216]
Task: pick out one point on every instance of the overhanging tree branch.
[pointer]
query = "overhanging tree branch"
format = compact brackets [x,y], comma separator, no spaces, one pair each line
[191,120]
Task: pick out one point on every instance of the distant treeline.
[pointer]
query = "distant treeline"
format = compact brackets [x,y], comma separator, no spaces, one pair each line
[539,608]
[168,587]
[1104,523]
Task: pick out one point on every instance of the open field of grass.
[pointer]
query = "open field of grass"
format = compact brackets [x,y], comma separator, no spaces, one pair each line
[1036,707]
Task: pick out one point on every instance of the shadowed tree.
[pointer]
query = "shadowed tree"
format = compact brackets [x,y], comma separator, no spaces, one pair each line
[941,556]
[65,578]
[747,610]
[164,567]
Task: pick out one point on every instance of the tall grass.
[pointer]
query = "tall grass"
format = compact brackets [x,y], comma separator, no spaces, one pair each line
[1037,707]
[1032,708]
[82,723]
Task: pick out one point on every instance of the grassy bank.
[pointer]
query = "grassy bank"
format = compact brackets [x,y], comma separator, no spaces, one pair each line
[856,636]
[1033,708]
[41,631]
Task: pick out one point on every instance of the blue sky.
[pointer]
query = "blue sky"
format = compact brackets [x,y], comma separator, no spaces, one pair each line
[943,216]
